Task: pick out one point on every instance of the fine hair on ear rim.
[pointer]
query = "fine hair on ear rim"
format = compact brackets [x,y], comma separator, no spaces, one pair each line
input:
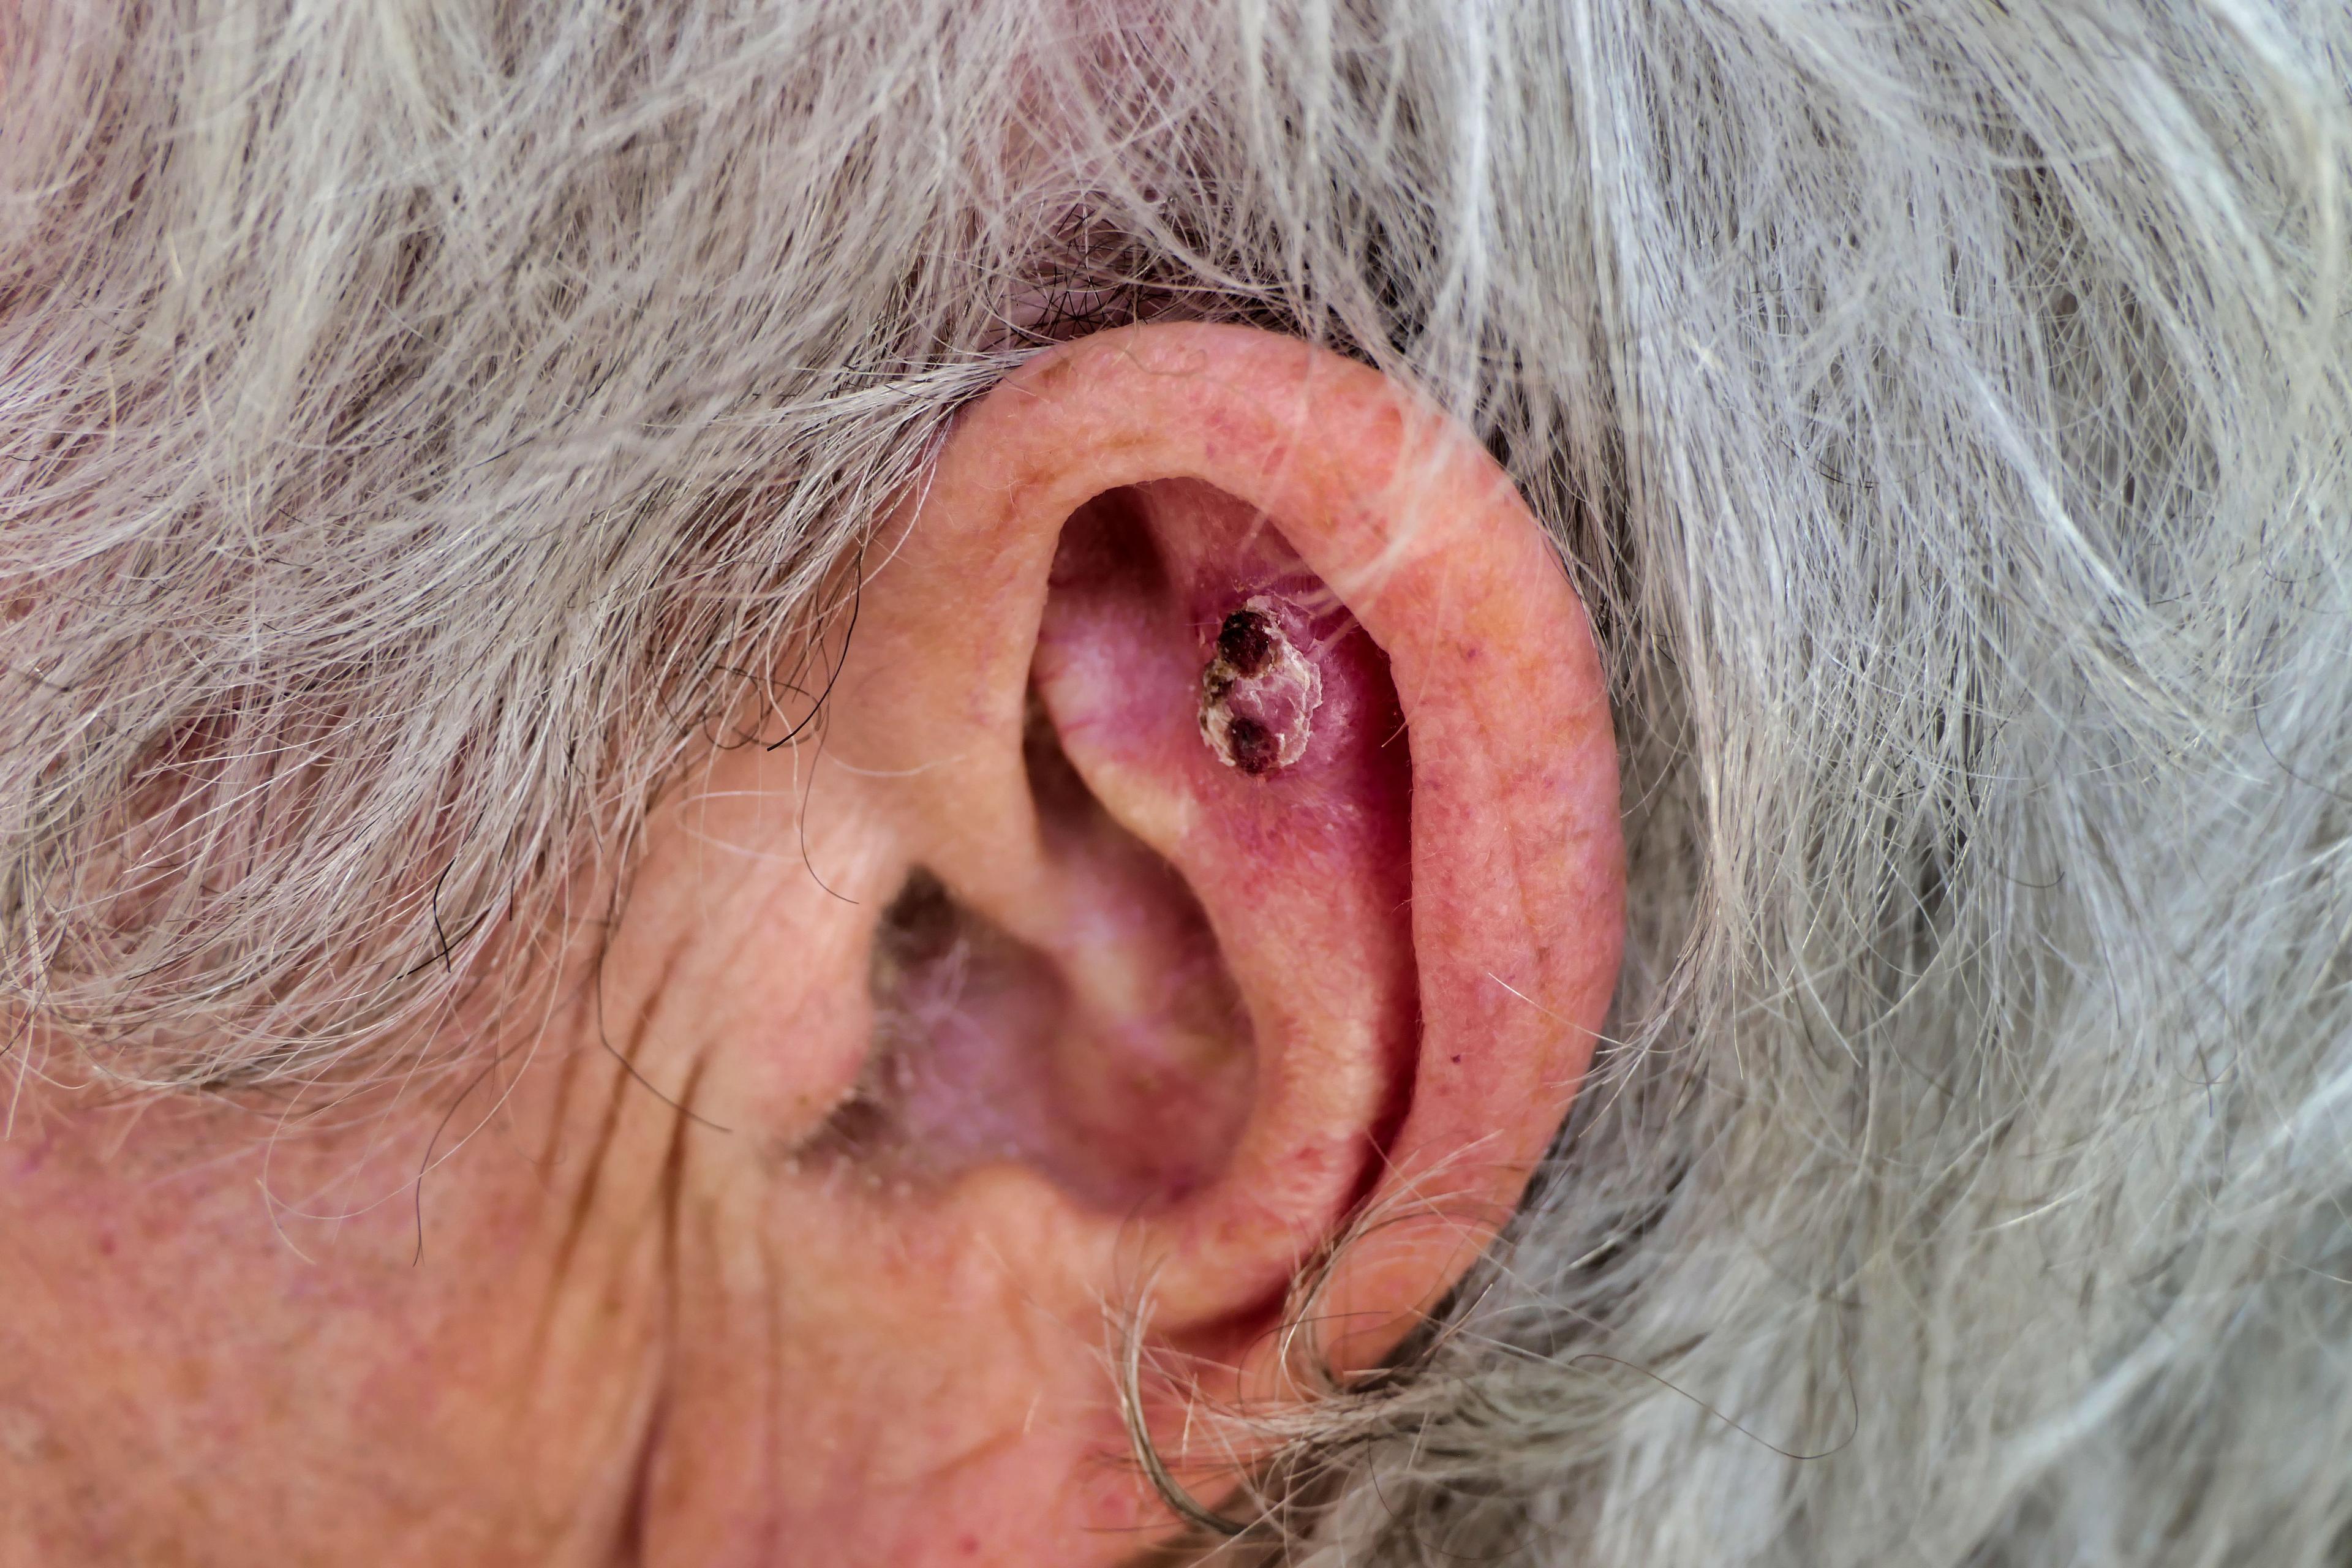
[1283,1453]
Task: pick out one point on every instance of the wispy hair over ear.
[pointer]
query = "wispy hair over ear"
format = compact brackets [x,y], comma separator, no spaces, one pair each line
[416,417]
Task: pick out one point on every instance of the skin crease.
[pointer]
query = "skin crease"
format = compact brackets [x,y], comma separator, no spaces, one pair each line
[740,1333]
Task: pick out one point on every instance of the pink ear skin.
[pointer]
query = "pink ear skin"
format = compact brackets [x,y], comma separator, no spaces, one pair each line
[1144,585]
[1221,993]
[1200,466]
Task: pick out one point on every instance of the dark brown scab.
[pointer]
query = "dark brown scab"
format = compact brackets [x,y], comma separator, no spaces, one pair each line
[1245,642]
[1255,752]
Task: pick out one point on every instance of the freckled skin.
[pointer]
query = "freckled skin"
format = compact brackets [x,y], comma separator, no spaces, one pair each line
[663,1313]
[207,1379]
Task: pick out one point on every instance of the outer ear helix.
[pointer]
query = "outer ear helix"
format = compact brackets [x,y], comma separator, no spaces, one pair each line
[1297,641]
[1516,872]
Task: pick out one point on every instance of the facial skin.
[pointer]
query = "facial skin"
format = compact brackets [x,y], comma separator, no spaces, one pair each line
[780,1222]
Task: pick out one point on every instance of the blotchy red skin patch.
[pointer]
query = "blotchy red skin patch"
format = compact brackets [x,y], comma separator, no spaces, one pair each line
[1183,640]
[1145,586]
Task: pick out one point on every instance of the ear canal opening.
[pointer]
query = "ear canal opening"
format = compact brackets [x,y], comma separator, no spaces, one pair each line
[1118,1063]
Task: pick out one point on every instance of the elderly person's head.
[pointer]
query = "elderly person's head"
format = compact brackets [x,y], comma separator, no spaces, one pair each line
[876,782]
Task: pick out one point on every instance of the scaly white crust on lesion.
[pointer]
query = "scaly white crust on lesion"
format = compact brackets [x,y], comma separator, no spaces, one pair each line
[1258,691]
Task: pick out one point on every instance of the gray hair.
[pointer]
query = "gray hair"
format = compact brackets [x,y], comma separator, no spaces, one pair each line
[418,418]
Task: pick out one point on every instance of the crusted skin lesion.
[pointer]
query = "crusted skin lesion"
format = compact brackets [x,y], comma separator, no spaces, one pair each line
[1259,692]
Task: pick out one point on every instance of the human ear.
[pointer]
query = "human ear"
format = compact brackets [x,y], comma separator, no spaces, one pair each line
[1218,814]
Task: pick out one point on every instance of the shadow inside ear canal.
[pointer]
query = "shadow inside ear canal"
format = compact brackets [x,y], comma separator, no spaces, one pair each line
[957,1071]
[1118,1065]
